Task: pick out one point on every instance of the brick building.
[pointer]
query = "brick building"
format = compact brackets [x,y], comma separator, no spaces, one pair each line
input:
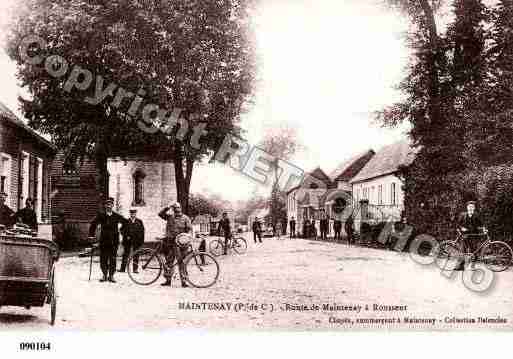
[25,165]
[145,181]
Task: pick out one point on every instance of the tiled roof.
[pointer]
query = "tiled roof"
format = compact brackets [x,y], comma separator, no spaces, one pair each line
[317,173]
[6,114]
[321,175]
[351,166]
[387,160]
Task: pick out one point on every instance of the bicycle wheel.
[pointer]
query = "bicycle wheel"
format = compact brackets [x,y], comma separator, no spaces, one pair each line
[216,247]
[239,245]
[149,266]
[450,256]
[201,269]
[496,256]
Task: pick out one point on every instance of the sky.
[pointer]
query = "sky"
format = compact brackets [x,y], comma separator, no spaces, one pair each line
[324,67]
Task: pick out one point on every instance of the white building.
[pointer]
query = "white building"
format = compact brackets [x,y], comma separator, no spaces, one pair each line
[145,184]
[378,185]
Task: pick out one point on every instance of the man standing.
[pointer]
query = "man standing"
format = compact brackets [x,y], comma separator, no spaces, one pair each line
[133,239]
[471,225]
[109,238]
[349,227]
[323,224]
[257,230]
[224,228]
[27,215]
[337,227]
[176,224]
[6,214]
[292,227]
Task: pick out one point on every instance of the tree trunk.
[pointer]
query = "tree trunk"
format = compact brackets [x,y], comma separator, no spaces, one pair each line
[103,174]
[182,177]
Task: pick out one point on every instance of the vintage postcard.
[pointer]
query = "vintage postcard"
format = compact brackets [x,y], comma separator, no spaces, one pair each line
[256,165]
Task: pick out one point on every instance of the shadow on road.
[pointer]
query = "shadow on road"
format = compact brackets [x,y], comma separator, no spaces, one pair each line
[17,318]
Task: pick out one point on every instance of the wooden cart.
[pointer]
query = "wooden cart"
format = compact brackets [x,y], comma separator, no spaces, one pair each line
[27,273]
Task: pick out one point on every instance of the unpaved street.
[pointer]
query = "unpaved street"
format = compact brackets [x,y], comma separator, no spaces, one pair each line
[264,288]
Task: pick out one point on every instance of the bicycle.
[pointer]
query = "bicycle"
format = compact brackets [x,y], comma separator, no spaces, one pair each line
[238,244]
[496,255]
[200,269]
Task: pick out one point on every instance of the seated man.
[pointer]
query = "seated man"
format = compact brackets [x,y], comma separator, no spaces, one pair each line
[7,218]
[471,226]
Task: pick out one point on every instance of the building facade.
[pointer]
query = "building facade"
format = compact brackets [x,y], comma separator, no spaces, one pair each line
[305,200]
[377,187]
[144,182]
[25,166]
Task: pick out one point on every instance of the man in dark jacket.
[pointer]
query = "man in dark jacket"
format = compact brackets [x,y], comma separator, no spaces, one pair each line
[225,229]
[133,239]
[27,215]
[471,226]
[109,238]
[292,227]
[257,230]
[349,227]
[6,214]
[323,224]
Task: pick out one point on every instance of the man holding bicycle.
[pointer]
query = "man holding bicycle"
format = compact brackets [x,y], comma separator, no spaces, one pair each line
[471,226]
[176,223]
[225,229]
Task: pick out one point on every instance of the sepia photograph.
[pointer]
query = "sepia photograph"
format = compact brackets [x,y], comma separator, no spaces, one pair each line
[256,166]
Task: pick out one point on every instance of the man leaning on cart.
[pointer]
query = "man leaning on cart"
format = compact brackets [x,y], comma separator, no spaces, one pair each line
[109,238]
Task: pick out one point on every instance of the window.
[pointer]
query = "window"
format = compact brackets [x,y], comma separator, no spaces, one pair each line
[380,194]
[23,183]
[314,186]
[393,201]
[35,184]
[138,180]
[5,171]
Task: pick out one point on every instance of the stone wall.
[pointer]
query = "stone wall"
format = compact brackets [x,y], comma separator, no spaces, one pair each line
[159,190]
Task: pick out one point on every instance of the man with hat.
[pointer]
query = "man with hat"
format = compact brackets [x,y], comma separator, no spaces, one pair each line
[176,223]
[109,238]
[471,225]
[133,239]
[6,214]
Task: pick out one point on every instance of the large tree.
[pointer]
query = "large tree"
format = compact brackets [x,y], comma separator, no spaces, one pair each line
[444,87]
[192,57]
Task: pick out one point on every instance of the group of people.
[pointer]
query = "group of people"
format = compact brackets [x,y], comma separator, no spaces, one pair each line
[26,215]
[309,229]
[132,229]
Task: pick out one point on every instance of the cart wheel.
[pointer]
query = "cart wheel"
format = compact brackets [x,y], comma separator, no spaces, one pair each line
[53,302]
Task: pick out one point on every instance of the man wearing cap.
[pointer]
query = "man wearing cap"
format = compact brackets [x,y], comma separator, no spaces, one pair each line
[6,214]
[471,225]
[109,238]
[133,239]
[176,224]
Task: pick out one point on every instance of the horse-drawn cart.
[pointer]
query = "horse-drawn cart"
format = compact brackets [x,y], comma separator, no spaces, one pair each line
[27,273]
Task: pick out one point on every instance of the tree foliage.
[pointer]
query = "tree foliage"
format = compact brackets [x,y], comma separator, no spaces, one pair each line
[194,55]
[457,91]
[202,205]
